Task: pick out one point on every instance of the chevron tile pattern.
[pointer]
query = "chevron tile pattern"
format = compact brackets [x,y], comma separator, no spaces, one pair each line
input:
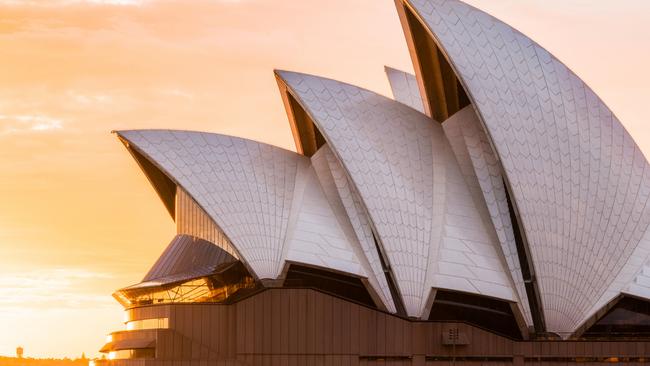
[405,88]
[334,179]
[317,237]
[294,214]
[409,183]
[476,159]
[580,182]
[482,172]
[641,285]
[633,278]
[245,186]
[388,159]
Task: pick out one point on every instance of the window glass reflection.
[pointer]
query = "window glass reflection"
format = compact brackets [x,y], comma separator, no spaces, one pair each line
[156,323]
[124,354]
[629,318]
[217,287]
[487,313]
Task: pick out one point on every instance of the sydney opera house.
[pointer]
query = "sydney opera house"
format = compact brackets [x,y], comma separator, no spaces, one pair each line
[495,212]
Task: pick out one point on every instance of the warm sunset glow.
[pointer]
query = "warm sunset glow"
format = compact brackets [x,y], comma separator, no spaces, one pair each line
[79,220]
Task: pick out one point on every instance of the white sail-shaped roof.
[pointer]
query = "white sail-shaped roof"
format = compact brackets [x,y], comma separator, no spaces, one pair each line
[409,181]
[317,236]
[245,186]
[479,167]
[405,88]
[579,181]
[270,203]
[345,200]
[483,175]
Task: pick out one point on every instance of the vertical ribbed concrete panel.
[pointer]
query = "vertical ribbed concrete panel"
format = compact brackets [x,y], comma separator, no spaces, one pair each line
[342,195]
[192,220]
[405,88]
[483,176]
[579,181]
[245,186]
[403,169]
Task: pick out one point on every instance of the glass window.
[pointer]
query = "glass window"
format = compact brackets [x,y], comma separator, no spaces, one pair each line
[490,314]
[629,318]
[337,284]
[132,353]
[155,323]
[217,287]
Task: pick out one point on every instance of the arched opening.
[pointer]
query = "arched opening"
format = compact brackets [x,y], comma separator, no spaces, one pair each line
[338,284]
[628,318]
[484,312]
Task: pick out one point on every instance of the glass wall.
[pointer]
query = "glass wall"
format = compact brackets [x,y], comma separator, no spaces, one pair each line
[219,286]
[490,314]
[337,284]
[629,318]
[132,353]
[155,323]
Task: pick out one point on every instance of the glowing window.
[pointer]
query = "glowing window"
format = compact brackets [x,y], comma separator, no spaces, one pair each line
[132,353]
[490,314]
[629,318]
[155,323]
[233,280]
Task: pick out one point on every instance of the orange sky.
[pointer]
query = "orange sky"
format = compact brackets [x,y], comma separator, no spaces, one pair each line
[78,219]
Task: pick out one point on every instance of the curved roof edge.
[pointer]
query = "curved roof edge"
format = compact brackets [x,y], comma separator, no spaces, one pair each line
[221,173]
[405,88]
[526,98]
[135,150]
[421,222]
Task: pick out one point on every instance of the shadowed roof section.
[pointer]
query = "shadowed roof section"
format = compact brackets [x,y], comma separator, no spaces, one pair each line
[579,183]
[162,184]
[306,136]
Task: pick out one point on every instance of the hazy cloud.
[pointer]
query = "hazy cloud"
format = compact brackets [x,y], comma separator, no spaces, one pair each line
[50,3]
[25,123]
[57,287]
[89,99]
[54,3]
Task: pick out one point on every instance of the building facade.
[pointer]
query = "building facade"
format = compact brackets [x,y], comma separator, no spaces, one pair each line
[494,212]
